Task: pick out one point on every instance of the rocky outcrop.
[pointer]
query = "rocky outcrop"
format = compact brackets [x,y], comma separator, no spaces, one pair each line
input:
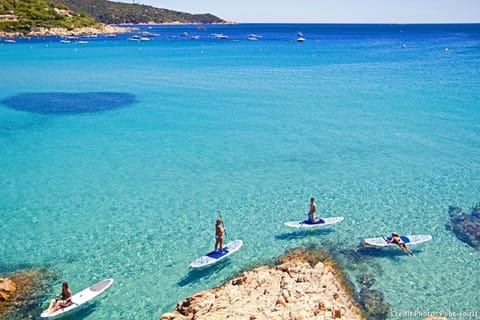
[21,292]
[295,289]
[465,226]
[7,288]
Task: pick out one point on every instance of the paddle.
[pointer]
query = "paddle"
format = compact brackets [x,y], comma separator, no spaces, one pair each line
[304,221]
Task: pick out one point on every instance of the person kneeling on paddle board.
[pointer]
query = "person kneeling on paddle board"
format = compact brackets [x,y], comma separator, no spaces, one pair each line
[219,230]
[398,241]
[65,300]
[311,214]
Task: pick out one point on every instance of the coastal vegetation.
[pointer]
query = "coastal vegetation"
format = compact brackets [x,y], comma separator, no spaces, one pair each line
[24,16]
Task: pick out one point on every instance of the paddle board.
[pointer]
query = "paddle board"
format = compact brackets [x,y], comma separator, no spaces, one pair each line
[306,224]
[215,256]
[80,298]
[415,239]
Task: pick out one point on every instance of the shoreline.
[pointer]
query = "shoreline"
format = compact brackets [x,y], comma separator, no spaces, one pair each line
[101,29]
[56,32]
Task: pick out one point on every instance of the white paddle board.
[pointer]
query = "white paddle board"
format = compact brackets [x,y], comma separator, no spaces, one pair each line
[80,298]
[321,223]
[409,240]
[215,256]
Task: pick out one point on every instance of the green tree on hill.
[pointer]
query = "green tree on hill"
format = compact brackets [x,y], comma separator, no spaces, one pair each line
[71,14]
[39,13]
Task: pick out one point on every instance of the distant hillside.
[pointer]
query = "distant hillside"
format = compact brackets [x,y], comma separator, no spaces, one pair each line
[110,12]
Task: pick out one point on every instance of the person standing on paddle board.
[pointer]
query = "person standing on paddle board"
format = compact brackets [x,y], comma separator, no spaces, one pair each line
[65,301]
[219,231]
[398,241]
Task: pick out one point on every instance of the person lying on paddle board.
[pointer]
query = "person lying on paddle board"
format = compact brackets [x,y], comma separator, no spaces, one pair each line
[219,230]
[65,300]
[313,210]
[398,241]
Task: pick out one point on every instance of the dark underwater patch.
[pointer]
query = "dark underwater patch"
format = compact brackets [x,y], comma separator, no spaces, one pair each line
[68,103]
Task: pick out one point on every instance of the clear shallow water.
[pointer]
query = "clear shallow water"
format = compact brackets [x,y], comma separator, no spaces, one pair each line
[384,136]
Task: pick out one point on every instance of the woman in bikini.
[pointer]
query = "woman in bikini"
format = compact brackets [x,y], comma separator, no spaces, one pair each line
[65,301]
[219,235]
[398,241]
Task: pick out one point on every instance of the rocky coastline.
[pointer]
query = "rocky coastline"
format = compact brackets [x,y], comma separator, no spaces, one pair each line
[100,29]
[303,284]
[298,288]
[47,32]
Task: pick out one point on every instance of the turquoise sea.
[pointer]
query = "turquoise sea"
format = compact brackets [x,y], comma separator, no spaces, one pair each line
[117,156]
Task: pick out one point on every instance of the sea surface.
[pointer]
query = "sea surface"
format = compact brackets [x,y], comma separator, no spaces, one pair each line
[117,156]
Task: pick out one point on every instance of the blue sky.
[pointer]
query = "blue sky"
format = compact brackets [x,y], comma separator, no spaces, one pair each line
[327,11]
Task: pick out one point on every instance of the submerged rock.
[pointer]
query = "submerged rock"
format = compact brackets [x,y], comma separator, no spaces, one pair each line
[372,302]
[21,293]
[465,226]
[299,288]
[366,280]
[64,103]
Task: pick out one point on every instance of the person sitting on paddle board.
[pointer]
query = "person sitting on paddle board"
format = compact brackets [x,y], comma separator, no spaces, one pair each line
[311,214]
[65,300]
[219,235]
[398,241]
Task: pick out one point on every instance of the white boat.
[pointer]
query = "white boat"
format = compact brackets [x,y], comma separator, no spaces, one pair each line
[300,39]
[195,37]
[134,38]
[10,40]
[149,34]
[250,38]
[220,36]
